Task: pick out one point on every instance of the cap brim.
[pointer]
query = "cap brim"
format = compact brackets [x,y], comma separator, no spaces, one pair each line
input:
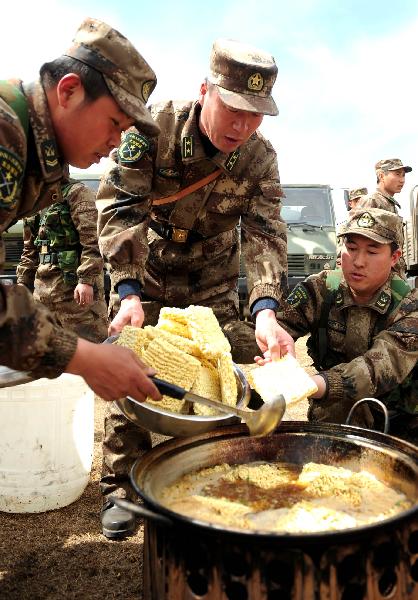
[248,102]
[133,107]
[406,169]
[371,235]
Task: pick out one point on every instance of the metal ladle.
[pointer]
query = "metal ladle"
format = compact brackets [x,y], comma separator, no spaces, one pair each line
[259,422]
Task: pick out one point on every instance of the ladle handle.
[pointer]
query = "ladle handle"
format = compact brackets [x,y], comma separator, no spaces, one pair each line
[169,389]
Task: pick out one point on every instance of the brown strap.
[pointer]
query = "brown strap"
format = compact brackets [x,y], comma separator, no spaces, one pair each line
[188,190]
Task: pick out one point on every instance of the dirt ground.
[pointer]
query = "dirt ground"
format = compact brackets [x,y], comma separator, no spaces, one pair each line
[62,553]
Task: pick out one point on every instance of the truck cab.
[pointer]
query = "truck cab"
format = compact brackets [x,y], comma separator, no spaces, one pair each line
[410,249]
[311,235]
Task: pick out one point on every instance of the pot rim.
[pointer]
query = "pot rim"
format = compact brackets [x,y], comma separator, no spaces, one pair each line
[167,449]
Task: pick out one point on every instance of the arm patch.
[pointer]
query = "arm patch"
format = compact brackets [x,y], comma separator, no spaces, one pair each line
[298,296]
[133,148]
[11,173]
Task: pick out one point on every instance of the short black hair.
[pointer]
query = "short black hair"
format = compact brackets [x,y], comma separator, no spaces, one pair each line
[92,80]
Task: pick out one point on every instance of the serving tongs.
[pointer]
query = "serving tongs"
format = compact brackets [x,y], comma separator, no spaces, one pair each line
[259,422]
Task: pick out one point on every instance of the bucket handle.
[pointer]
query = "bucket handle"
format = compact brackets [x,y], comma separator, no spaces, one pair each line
[379,403]
[141,511]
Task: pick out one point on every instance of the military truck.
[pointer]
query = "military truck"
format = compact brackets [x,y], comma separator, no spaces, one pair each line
[311,235]
[410,250]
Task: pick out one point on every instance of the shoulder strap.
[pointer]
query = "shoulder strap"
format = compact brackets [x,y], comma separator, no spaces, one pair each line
[333,280]
[17,101]
[400,289]
[188,190]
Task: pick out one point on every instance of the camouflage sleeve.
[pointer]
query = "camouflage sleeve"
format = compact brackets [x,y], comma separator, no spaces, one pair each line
[301,310]
[30,338]
[29,261]
[369,201]
[123,223]
[81,201]
[391,358]
[264,239]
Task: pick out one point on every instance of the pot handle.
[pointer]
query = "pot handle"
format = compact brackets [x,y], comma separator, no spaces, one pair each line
[141,511]
[376,401]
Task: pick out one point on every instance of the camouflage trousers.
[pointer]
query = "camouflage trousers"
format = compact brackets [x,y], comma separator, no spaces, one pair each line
[88,322]
[125,442]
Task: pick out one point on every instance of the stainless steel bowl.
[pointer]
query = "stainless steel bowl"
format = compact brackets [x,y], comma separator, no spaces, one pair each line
[165,422]
[10,377]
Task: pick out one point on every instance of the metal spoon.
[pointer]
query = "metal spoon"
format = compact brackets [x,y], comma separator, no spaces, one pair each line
[259,422]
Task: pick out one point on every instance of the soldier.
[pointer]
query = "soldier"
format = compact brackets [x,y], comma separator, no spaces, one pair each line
[354,196]
[74,114]
[62,264]
[363,326]
[171,235]
[390,174]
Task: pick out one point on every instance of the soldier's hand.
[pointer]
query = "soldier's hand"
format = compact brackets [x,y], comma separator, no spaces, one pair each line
[83,294]
[112,371]
[130,313]
[273,341]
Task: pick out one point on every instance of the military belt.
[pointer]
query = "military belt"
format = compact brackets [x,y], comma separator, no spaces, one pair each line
[49,258]
[175,234]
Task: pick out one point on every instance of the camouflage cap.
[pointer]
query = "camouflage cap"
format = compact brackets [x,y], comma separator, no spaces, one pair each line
[353,194]
[379,225]
[128,76]
[244,76]
[391,164]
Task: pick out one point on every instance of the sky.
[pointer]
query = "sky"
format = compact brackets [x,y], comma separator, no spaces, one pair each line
[346,70]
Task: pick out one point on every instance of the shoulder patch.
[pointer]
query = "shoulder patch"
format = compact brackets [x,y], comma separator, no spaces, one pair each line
[133,148]
[298,296]
[11,173]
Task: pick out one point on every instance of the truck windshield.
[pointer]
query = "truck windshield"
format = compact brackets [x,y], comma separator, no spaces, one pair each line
[307,206]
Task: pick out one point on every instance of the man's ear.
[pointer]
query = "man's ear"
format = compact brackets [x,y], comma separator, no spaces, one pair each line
[202,92]
[396,256]
[69,88]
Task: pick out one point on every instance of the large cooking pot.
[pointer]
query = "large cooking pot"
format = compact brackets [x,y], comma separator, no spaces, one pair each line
[186,558]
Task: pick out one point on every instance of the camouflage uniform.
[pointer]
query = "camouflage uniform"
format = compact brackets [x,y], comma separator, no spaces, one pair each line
[60,251]
[363,351]
[31,174]
[145,241]
[380,198]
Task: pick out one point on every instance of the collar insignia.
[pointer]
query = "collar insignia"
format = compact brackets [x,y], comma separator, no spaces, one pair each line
[188,146]
[339,298]
[232,159]
[383,300]
[49,155]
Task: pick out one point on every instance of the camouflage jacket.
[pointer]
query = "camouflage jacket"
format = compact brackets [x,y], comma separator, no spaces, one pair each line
[49,277]
[30,179]
[379,199]
[247,191]
[371,349]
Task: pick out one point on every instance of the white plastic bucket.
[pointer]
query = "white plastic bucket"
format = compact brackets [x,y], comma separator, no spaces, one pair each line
[46,443]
